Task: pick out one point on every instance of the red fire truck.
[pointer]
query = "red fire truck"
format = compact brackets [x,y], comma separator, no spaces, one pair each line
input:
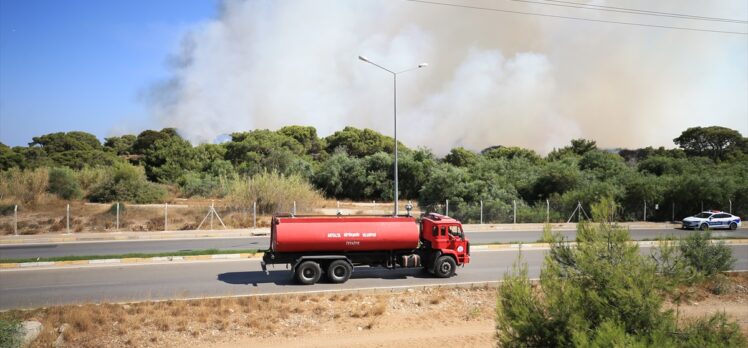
[334,245]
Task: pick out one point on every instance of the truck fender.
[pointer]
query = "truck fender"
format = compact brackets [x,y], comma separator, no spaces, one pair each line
[452,254]
[432,260]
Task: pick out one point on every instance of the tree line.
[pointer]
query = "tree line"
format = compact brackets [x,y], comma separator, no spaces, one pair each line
[709,168]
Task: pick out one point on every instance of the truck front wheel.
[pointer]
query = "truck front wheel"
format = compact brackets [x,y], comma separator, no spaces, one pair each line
[339,271]
[445,267]
[308,272]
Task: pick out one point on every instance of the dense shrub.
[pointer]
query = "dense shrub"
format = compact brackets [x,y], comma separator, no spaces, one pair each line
[601,293]
[62,183]
[193,184]
[705,257]
[127,183]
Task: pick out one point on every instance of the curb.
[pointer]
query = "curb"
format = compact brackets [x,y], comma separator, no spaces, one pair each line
[130,260]
[192,258]
[142,237]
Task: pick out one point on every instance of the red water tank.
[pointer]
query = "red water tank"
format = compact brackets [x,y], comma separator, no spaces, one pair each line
[343,233]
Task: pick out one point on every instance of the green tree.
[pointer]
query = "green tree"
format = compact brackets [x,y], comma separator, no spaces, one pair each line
[9,158]
[461,157]
[361,142]
[714,142]
[120,145]
[70,141]
[307,137]
[556,177]
[248,150]
[511,152]
[342,176]
[148,137]
[167,159]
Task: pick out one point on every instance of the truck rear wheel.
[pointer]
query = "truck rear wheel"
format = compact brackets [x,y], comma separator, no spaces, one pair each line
[445,267]
[339,271]
[308,272]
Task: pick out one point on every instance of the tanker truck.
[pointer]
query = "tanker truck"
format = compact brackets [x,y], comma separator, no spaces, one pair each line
[336,245]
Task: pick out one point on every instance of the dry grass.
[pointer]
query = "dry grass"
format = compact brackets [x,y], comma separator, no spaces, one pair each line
[185,323]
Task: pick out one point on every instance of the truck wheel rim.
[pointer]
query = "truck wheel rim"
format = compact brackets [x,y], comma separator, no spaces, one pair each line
[339,271]
[446,267]
[308,273]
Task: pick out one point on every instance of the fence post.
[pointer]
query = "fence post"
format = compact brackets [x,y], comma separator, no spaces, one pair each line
[294,208]
[338,204]
[702,205]
[645,210]
[211,215]
[514,214]
[166,215]
[117,228]
[547,211]
[446,211]
[254,214]
[15,220]
[730,206]
[481,212]
[673,220]
[67,218]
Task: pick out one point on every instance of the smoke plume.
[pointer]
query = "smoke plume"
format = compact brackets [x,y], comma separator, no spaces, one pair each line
[493,78]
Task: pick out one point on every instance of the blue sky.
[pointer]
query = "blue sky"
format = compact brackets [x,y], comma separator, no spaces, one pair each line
[81,65]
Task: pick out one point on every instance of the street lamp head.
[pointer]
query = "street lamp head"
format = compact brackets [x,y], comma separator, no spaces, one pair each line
[364,59]
[423,65]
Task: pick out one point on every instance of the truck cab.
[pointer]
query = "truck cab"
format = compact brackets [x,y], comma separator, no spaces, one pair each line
[445,237]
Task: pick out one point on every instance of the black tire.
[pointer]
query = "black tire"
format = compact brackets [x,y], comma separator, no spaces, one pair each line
[733,226]
[704,227]
[308,272]
[444,267]
[339,271]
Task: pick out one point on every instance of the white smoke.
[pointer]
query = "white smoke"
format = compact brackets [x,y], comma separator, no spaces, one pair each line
[493,78]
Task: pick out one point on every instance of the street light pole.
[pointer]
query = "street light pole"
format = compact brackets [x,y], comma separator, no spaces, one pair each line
[394,112]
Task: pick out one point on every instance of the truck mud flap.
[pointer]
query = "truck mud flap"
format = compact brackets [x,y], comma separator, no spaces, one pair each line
[264,267]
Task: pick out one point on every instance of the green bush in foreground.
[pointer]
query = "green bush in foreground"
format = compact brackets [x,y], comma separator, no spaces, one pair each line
[601,293]
[705,257]
[9,333]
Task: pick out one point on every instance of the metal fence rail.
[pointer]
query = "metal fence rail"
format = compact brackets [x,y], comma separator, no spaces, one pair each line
[190,215]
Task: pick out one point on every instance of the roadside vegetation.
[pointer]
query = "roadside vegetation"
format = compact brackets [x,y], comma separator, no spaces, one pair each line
[709,169]
[603,292]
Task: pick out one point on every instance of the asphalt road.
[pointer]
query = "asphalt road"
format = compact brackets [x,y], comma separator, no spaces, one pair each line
[160,246]
[35,288]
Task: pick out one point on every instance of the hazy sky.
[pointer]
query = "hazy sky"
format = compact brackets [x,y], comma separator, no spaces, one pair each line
[493,78]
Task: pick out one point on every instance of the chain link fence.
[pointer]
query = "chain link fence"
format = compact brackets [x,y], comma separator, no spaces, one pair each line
[557,211]
[206,215]
[77,217]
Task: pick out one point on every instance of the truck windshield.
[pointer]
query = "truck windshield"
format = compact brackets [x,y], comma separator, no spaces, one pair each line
[455,231]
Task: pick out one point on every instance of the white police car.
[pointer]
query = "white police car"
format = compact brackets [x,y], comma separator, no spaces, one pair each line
[711,219]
